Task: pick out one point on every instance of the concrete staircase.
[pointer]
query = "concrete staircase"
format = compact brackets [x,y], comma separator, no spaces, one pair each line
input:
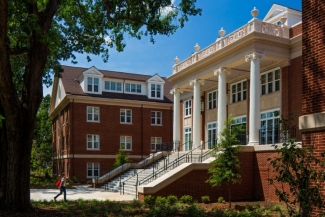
[127,182]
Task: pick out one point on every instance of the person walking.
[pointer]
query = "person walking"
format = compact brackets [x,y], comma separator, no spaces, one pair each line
[62,188]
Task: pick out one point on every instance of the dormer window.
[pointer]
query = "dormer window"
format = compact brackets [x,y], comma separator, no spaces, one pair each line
[156,87]
[132,88]
[155,90]
[113,86]
[92,84]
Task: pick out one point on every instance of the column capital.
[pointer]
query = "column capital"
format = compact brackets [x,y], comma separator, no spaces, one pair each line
[175,90]
[221,70]
[254,56]
[197,81]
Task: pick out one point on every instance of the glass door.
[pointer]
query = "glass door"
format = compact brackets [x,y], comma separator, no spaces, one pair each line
[187,136]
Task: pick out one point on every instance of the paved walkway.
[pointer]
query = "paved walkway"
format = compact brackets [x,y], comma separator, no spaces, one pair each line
[83,192]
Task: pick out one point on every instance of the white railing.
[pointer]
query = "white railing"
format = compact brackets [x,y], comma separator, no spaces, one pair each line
[254,25]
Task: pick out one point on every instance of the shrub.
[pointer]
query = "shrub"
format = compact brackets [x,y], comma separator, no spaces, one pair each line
[194,211]
[136,203]
[171,199]
[221,200]
[205,199]
[186,199]
[160,201]
[74,179]
[149,201]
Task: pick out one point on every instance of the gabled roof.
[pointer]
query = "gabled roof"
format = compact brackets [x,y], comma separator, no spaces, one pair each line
[275,10]
[72,87]
[156,79]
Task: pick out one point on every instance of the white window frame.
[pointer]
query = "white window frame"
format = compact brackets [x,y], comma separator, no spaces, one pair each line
[269,115]
[92,84]
[239,121]
[188,108]
[276,82]
[92,113]
[92,141]
[154,141]
[92,169]
[242,93]
[124,140]
[110,86]
[154,91]
[133,90]
[155,118]
[210,142]
[187,131]
[211,101]
[126,116]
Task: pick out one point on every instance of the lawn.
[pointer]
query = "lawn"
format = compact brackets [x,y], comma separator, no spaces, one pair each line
[158,207]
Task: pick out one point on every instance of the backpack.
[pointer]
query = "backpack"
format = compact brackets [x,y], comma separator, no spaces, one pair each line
[57,184]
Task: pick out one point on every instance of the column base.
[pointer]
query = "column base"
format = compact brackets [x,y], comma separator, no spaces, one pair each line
[252,143]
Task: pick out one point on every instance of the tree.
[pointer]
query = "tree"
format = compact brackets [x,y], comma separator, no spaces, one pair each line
[34,36]
[226,166]
[300,169]
[42,146]
[121,158]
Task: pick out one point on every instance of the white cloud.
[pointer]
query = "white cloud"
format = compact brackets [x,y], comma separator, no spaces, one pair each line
[168,9]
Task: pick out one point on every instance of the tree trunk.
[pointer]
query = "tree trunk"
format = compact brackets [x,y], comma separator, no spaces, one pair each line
[20,110]
[229,192]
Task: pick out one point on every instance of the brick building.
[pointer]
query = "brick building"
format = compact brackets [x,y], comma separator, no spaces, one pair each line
[312,121]
[96,112]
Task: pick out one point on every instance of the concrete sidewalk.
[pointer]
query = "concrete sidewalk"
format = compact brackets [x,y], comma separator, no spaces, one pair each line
[83,192]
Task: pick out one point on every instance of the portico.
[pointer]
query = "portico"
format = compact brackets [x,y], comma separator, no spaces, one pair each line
[239,74]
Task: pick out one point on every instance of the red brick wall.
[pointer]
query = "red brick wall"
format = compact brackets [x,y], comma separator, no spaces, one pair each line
[291,90]
[296,30]
[313,46]
[254,184]
[109,129]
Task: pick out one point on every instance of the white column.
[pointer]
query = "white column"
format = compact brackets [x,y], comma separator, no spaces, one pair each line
[222,98]
[254,103]
[196,111]
[177,114]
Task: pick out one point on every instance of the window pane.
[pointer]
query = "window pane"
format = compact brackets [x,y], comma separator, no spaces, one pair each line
[270,76]
[138,88]
[270,87]
[96,81]
[233,88]
[244,95]
[244,85]
[107,85]
[127,87]
[277,86]
[234,98]
[263,89]
[96,173]
[113,85]
[119,86]
[133,88]
[263,79]
[239,96]
[239,87]
[89,173]
[159,114]
[277,74]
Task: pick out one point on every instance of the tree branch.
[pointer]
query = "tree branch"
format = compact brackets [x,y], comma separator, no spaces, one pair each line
[18,51]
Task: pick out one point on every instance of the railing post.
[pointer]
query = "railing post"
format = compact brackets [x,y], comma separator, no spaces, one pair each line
[201,153]
[123,188]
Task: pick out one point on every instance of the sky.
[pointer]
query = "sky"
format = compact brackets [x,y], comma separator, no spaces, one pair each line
[143,57]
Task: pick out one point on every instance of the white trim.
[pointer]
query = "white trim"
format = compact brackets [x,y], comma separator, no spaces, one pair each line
[110,85]
[156,118]
[92,114]
[93,169]
[273,82]
[241,91]
[125,141]
[161,90]
[189,108]
[155,143]
[136,87]
[207,132]
[207,102]
[125,116]
[92,142]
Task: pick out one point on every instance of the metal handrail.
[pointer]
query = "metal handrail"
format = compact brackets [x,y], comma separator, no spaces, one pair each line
[176,162]
[165,147]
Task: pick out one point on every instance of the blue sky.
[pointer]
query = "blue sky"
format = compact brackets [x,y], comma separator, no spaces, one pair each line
[143,57]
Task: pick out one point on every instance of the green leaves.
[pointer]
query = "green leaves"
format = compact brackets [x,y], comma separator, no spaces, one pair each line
[300,169]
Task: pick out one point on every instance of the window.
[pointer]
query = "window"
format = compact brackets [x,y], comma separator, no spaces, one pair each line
[92,170]
[212,134]
[188,139]
[93,142]
[156,118]
[133,88]
[93,84]
[270,127]
[212,100]
[270,81]
[93,114]
[241,137]
[156,90]
[188,108]
[113,86]
[238,91]
[126,142]
[155,143]
[126,116]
